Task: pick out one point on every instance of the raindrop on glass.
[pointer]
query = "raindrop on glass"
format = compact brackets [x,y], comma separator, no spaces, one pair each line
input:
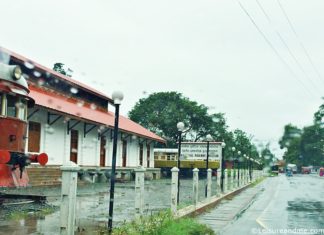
[29,65]
[40,82]
[74,90]
[80,103]
[37,74]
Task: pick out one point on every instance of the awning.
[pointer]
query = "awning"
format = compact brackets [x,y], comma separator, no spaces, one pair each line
[66,105]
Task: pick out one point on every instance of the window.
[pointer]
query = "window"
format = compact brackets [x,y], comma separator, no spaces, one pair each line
[11,106]
[22,109]
[141,155]
[34,129]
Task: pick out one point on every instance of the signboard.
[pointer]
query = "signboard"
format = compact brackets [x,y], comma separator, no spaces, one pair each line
[198,151]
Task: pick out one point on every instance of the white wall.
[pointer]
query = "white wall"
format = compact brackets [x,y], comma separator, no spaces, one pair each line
[55,141]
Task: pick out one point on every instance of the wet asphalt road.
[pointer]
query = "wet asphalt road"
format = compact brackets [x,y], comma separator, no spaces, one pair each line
[283,205]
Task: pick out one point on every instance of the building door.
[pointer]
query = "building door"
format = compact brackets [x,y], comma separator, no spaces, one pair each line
[74,146]
[148,151]
[141,155]
[124,153]
[103,151]
[34,130]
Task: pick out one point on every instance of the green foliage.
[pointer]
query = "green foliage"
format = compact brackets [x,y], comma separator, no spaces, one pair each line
[160,113]
[163,223]
[304,147]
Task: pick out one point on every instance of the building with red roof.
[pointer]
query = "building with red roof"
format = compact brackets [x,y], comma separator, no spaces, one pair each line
[71,121]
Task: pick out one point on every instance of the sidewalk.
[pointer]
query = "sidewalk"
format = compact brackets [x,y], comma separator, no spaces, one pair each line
[230,209]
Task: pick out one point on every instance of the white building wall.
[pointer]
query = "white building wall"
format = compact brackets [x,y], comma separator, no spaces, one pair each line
[55,141]
[89,148]
[133,153]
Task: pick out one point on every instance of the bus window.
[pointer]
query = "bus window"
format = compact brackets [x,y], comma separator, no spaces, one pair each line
[11,106]
[3,104]
[22,109]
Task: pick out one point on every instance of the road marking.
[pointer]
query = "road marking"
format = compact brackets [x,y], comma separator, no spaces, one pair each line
[261,223]
[258,220]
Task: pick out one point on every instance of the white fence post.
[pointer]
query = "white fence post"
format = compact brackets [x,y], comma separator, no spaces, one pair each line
[195,185]
[209,182]
[218,182]
[139,191]
[234,176]
[174,189]
[68,197]
[225,180]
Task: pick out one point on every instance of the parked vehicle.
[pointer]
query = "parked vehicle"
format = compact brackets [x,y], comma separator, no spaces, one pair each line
[292,167]
[306,170]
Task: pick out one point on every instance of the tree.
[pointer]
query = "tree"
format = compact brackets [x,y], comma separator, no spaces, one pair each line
[160,113]
[291,132]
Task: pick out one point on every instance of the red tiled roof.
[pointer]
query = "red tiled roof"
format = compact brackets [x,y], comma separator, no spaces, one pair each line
[23,59]
[61,104]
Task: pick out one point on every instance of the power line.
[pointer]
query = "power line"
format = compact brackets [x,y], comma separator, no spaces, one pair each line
[273,48]
[300,42]
[288,49]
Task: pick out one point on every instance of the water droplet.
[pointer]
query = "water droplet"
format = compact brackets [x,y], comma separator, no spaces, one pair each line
[29,65]
[74,90]
[37,74]
[80,103]
[93,106]
[56,80]
[40,82]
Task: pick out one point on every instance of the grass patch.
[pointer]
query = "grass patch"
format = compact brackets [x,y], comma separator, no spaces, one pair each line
[163,223]
[257,181]
[24,213]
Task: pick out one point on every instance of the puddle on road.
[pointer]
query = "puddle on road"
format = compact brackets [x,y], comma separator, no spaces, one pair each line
[305,214]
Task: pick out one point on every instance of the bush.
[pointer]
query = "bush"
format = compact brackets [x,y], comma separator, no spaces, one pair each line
[163,223]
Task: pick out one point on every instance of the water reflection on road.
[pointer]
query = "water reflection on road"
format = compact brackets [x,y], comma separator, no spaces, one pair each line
[286,203]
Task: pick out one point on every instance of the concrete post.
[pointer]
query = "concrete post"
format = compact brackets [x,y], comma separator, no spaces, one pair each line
[68,197]
[218,181]
[139,191]
[209,182]
[243,177]
[195,185]
[225,180]
[174,189]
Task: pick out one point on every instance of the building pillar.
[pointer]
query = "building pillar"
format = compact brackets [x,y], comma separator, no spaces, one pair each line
[68,197]
[174,189]
[209,182]
[195,185]
[139,191]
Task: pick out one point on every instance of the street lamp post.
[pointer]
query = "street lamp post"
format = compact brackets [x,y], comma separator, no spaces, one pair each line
[238,168]
[180,127]
[208,138]
[222,167]
[117,96]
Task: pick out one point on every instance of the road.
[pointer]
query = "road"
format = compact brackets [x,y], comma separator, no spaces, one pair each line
[280,205]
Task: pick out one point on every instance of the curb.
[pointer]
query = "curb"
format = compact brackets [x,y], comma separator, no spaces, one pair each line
[194,210]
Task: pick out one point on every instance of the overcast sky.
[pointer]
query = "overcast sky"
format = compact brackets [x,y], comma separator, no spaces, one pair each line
[209,50]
